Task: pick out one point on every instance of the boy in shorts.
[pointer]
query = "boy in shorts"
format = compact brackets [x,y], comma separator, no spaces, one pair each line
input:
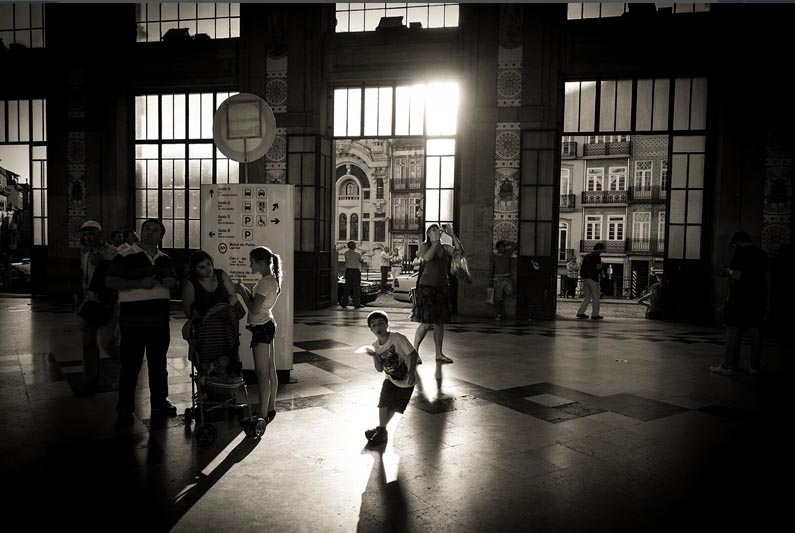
[393,354]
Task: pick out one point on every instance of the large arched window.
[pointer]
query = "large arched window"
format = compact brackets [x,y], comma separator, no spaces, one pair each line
[343,227]
[354,227]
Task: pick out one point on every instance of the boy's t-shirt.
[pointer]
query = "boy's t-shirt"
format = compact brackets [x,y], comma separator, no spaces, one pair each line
[394,354]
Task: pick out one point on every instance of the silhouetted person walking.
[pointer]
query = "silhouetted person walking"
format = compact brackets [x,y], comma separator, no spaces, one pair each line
[746,303]
[590,270]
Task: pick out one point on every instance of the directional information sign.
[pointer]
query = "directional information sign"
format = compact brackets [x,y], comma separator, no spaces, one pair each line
[235,219]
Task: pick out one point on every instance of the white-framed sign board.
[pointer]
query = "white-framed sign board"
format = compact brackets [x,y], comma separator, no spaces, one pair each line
[237,218]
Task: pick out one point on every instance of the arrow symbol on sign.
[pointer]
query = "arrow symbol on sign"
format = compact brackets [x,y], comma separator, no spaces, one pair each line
[212,234]
[275,206]
[275,220]
[211,193]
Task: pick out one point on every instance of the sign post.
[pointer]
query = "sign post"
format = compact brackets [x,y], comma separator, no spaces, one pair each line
[235,219]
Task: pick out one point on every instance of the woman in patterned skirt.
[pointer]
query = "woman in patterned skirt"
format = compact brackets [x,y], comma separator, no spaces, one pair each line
[432,297]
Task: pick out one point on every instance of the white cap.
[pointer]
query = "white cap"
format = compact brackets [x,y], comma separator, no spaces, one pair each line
[91,224]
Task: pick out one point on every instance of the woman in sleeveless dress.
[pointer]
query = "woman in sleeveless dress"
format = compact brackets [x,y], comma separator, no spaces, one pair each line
[432,297]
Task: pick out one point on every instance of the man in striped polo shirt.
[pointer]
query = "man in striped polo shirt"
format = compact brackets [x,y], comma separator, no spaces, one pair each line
[144,277]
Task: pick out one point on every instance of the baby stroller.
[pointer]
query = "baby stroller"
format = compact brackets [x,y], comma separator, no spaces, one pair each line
[216,371]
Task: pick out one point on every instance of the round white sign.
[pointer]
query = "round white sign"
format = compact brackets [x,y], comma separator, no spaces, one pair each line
[244,127]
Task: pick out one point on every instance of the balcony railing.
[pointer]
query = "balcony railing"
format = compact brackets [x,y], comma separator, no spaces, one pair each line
[604,197]
[608,149]
[350,197]
[648,193]
[611,247]
[568,150]
[648,246]
[568,201]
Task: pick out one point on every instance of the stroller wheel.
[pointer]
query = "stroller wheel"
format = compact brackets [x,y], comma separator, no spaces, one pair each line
[205,435]
[188,416]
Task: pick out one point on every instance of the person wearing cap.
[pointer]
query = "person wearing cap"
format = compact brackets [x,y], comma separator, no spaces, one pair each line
[746,303]
[353,276]
[98,308]
[144,277]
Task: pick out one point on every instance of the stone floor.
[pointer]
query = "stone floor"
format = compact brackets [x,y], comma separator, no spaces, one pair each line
[561,425]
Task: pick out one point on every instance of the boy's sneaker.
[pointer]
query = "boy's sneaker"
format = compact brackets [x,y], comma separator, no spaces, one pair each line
[597,317]
[377,435]
[582,315]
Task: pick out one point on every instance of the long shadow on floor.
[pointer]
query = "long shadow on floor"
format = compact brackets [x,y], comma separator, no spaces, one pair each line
[383,506]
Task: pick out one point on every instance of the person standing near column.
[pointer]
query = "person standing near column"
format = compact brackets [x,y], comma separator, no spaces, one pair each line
[572,275]
[386,260]
[353,276]
[99,309]
[746,303]
[144,277]
[591,267]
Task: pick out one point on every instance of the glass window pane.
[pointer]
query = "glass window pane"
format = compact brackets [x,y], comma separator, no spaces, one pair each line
[140,203]
[417,110]
[207,116]
[234,172]
[677,211]
[371,111]
[436,17]
[695,143]
[417,14]
[451,15]
[528,203]
[682,104]
[37,202]
[696,171]
[179,173]
[140,117]
[342,21]
[179,234]
[167,174]
[356,23]
[179,204]
[527,244]
[679,171]
[446,205]
[308,235]
[676,242]
[152,204]
[222,28]
[447,172]
[308,202]
[607,106]
[529,167]
[194,115]
[433,172]
[442,105]
[152,119]
[194,234]
[693,241]
[371,18]
[545,203]
[167,102]
[207,171]
[194,211]
[402,98]
[385,111]
[587,106]
[168,204]
[152,178]
[624,106]
[432,205]
[440,147]
[698,112]
[694,203]
[354,112]
[37,237]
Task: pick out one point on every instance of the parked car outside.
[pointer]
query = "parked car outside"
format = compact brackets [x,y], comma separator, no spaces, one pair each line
[368,290]
[402,286]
